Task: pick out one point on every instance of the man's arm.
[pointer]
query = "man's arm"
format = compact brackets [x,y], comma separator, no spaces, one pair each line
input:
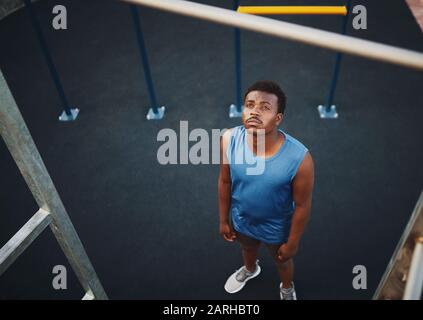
[302,189]
[224,189]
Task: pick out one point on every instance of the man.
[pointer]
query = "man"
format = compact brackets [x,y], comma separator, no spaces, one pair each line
[272,207]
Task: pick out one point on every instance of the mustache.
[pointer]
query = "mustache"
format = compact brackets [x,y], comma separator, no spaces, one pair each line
[254,118]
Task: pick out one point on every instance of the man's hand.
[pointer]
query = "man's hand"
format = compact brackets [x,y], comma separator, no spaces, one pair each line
[287,251]
[227,231]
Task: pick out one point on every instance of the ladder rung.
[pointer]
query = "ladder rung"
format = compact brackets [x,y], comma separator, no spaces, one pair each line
[23,238]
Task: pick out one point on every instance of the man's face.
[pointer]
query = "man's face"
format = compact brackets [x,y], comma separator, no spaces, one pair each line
[261,112]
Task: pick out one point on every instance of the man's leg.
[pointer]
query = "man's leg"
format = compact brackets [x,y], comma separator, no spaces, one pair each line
[285,269]
[286,273]
[249,270]
[249,248]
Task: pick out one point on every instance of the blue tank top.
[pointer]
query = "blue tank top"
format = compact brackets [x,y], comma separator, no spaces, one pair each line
[262,205]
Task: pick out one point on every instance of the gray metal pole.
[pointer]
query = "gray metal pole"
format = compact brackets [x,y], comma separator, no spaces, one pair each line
[20,144]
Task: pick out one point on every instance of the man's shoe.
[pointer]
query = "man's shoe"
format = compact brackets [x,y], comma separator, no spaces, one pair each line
[289,293]
[239,278]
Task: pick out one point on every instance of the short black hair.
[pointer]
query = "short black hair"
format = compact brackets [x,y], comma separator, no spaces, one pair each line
[269,87]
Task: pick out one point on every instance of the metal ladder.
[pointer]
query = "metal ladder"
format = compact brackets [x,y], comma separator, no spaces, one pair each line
[52,212]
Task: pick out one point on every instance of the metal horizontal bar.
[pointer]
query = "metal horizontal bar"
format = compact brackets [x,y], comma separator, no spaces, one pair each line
[294,32]
[331,10]
[23,238]
[413,288]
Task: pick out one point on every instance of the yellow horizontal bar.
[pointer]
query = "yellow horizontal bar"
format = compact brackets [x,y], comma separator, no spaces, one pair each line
[336,10]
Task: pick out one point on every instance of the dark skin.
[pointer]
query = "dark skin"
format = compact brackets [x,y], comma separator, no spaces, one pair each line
[261,112]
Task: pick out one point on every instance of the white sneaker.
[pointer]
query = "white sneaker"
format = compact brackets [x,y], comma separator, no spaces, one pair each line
[239,278]
[289,293]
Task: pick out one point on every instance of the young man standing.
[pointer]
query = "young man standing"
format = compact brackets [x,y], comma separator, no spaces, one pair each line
[273,206]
